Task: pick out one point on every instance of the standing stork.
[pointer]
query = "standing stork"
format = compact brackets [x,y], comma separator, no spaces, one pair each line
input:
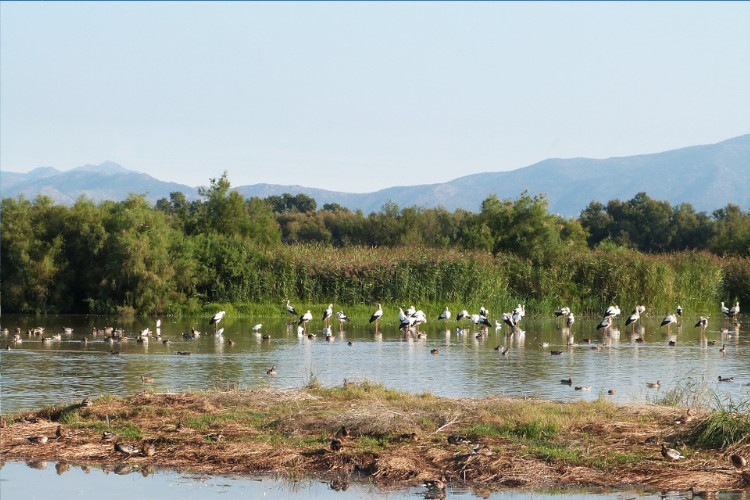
[733,312]
[215,320]
[570,320]
[462,314]
[633,318]
[291,310]
[343,318]
[327,315]
[702,323]
[483,312]
[671,318]
[563,311]
[304,319]
[679,313]
[725,310]
[445,316]
[376,316]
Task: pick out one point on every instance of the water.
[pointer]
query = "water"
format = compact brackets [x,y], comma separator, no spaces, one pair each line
[52,481]
[36,373]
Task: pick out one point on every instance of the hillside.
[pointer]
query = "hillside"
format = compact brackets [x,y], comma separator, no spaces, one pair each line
[706,176]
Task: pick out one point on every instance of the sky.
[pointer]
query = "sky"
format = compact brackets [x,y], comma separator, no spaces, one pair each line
[360,96]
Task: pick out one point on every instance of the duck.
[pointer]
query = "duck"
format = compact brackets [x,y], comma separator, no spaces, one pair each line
[738,461]
[128,449]
[336,445]
[435,351]
[723,349]
[670,453]
[726,379]
[342,433]
[272,370]
[435,484]
[583,388]
[147,380]
[452,439]
[215,437]
[567,381]
[703,493]
[555,353]
[654,385]
[544,344]
[37,439]
[108,436]
[687,417]
[149,449]
[611,392]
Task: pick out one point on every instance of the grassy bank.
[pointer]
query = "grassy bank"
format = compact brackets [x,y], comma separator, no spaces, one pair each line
[394,439]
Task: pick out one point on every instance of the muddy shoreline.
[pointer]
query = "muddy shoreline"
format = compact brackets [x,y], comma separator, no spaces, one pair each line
[368,432]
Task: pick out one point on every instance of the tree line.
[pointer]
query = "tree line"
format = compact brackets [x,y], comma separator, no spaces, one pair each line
[131,256]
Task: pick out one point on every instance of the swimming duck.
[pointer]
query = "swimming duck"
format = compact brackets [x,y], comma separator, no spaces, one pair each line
[583,388]
[147,380]
[726,379]
[670,453]
[555,353]
[272,370]
[723,349]
[654,385]
[435,351]
[567,381]
[435,484]
[611,392]
[703,493]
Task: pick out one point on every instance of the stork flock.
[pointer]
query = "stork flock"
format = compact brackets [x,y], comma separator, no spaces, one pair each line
[410,319]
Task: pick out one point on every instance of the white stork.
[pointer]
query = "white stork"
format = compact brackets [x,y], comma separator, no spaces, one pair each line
[483,312]
[445,316]
[605,323]
[327,315]
[257,327]
[304,319]
[215,320]
[461,315]
[733,312]
[633,318]
[377,314]
[668,320]
[702,322]
[725,310]
[612,312]
[343,318]
[563,311]
[570,320]
[291,310]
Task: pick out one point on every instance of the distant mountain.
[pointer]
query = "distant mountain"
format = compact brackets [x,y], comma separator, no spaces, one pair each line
[708,177]
[108,181]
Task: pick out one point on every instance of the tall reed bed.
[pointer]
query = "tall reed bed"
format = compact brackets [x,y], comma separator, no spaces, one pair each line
[587,281]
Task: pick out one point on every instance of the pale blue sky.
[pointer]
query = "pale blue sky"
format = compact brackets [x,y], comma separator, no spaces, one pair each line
[359,96]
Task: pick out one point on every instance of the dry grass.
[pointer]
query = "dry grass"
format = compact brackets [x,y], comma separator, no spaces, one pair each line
[397,439]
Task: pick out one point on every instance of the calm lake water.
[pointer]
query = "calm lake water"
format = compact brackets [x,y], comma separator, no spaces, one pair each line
[52,481]
[36,373]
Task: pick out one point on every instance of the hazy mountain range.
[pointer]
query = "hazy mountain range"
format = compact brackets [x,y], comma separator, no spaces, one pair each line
[707,176]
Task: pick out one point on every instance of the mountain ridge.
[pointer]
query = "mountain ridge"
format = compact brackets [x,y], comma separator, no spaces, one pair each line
[706,176]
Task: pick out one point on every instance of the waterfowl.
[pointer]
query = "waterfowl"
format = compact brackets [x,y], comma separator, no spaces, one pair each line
[108,436]
[215,437]
[672,343]
[59,433]
[435,351]
[231,342]
[555,353]
[216,318]
[147,380]
[86,402]
[435,484]
[310,336]
[583,388]
[452,439]
[726,379]
[544,344]
[703,493]
[350,343]
[183,353]
[266,337]
[127,449]
[702,323]
[336,445]
[670,453]
[342,433]
[654,385]
[563,311]
[639,340]
[738,461]
[687,417]
[327,314]
[166,341]
[445,315]
[723,349]
[290,309]
[504,352]
[149,449]
[567,381]
[272,370]
[611,392]
[37,439]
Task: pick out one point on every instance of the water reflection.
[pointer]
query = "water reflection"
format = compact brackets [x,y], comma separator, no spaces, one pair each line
[467,361]
[129,481]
